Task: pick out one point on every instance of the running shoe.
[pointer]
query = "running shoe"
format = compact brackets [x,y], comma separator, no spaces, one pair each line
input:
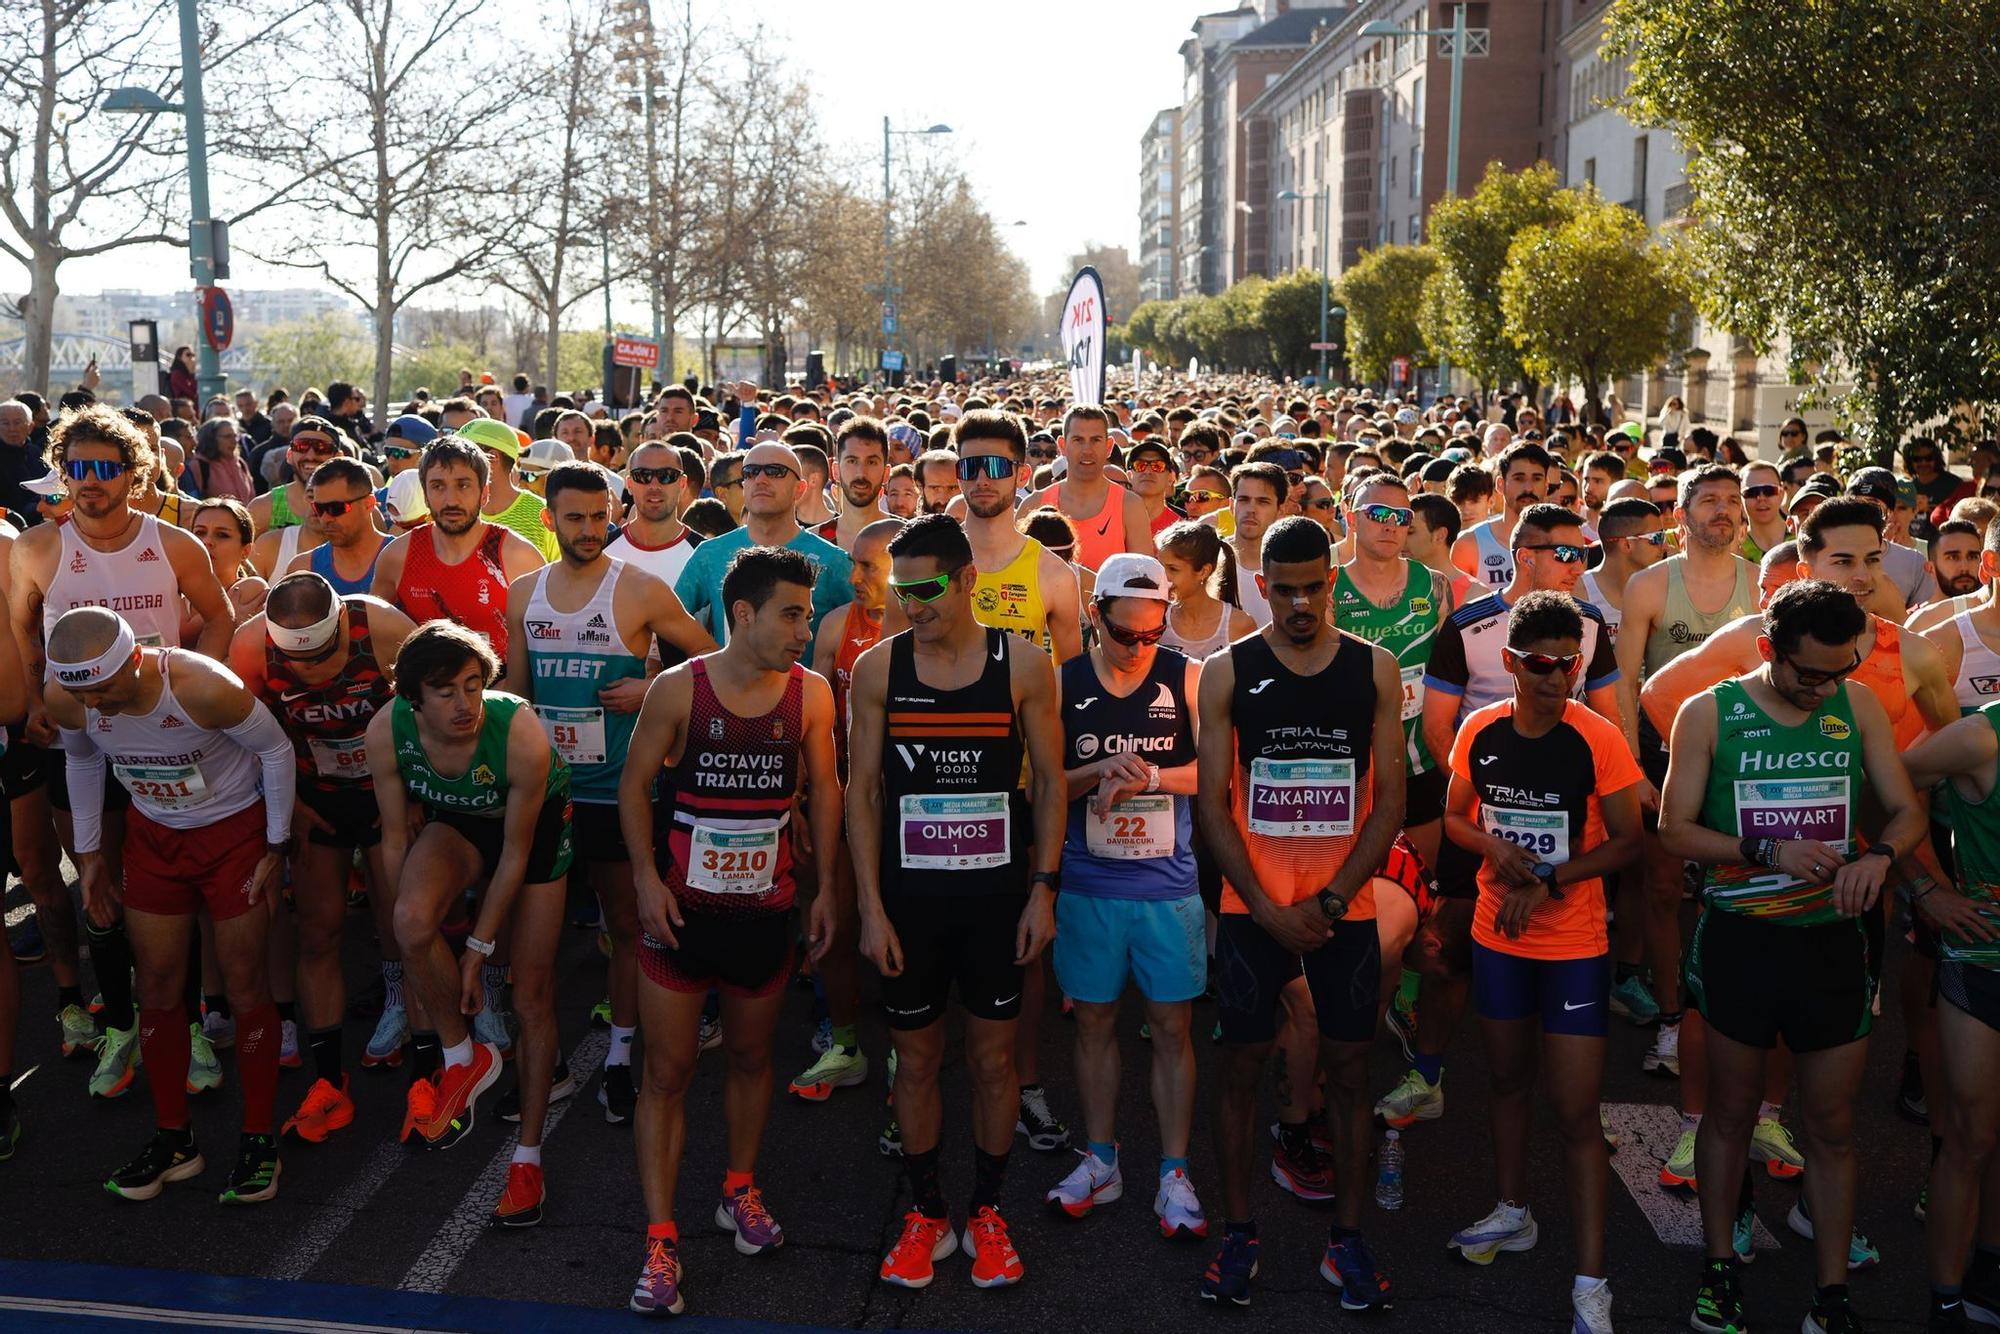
[1718,1303]
[1178,1209]
[117,1058]
[1677,1173]
[1510,1227]
[744,1214]
[1308,1175]
[1664,1056]
[600,1014]
[170,1155]
[822,1040]
[1401,1019]
[490,1026]
[890,1142]
[1590,1310]
[26,940]
[1949,1320]
[79,1030]
[204,1066]
[1229,1273]
[617,1095]
[1831,1316]
[508,1109]
[837,1068]
[459,1087]
[1743,1236]
[1348,1266]
[995,1263]
[1632,999]
[709,1036]
[1911,1103]
[1982,1296]
[325,1110]
[1861,1252]
[10,1131]
[658,1290]
[254,1178]
[912,1261]
[1045,1133]
[520,1203]
[288,1045]
[1413,1099]
[419,1105]
[1091,1183]
[1771,1144]
[385,1044]
[218,1028]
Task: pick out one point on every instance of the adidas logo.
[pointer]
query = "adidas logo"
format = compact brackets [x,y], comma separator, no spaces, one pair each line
[171,721]
[148,555]
[595,622]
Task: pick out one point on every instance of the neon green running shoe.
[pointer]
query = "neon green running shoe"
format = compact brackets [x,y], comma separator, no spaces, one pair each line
[117,1058]
[204,1068]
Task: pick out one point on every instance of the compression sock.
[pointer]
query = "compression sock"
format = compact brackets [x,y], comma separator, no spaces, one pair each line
[493,977]
[926,1190]
[1406,988]
[392,983]
[989,1171]
[111,960]
[259,1034]
[325,1044]
[426,1054]
[164,1045]
[1430,1067]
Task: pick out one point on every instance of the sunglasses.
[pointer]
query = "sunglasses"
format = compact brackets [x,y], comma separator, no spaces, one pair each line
[1042,455]
[333,509]
[1391,514]
[1203,496]
[1541,664]
[1658,539]
[1760,492]
[650,476]
[1147,465]
[1811,679]
[398,452]
[993,467]
[772,470]
[326,448]
[1129,638]
[102,469]
[1791,435]
[1564,551]
[923,590]
[724,486]
[1324,503]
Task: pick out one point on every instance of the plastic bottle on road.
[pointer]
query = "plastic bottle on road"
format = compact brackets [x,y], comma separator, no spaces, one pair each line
[1389,1173]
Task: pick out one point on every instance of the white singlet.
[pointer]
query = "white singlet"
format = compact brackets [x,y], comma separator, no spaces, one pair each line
[137,581]
[180,774]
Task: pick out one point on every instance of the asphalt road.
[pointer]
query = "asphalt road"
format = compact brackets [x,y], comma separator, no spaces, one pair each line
[362,1211]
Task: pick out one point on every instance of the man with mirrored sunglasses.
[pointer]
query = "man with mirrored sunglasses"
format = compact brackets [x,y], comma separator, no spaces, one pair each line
[653,536]
[1019,584]
[1764,499]
[314,441]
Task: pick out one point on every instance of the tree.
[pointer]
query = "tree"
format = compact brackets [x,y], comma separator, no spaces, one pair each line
[1855,216]
[1460,319]
[402,147]
[1384,295]
[76,181]
[317,351]
[1288,314]
[1224,328]
[1588,298]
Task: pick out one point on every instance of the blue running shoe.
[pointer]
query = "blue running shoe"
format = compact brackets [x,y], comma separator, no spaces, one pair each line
[1349,1267]
[1229,1273]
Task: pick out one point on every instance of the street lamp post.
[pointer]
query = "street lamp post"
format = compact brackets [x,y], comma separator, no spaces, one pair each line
[890,315]
[1461,36]
[1322,200]
[201,239]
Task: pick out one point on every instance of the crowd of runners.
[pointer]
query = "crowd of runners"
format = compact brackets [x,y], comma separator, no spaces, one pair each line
[1332,710]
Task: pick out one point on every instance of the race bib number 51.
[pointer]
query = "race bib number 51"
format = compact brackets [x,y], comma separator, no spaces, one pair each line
[577,734]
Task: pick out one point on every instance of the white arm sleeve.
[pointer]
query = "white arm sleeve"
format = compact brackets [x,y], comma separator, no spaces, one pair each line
[260,732]
[84,766]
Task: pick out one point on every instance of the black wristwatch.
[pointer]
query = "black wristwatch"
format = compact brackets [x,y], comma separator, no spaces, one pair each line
[1053,879]
[1332,905]
[1883,848]
[1546,873]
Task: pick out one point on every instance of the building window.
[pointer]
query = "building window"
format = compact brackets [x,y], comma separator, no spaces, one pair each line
[1416,228]
[1590,170]
[1639,174]
[1392,171]
[1416,169]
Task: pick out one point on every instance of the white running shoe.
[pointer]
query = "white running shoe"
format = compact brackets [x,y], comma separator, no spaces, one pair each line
[1510,1227]
[1591,1310]
[1664,1058]
[1091,1183]
[1179,1211]
[219,1029]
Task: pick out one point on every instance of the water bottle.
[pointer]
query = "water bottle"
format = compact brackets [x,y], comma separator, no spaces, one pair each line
[1389,1173]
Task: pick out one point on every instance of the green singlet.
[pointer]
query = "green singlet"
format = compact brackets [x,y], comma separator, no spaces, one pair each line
[482,789]
[1975,844]
[1406,628]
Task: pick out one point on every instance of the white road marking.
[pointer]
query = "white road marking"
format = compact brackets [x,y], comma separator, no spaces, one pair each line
[469,1222]
[161,1315]
[1647,1133]
[326,1223]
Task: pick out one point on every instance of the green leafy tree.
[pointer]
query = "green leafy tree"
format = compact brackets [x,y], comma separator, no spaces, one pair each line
[1854,215]
[1224,327]
[1471,235]
[1588,298]
[1384,292]
[317,351]
[1288,313]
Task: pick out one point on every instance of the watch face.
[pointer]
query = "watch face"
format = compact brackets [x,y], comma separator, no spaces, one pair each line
[1543,870]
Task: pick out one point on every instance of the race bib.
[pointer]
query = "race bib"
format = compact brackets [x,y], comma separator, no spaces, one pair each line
[172,787]
[577,734]
[345,760]
[966,831]
[151,641]
[732,861]
[1136,829]
[1794,808]
[1413,692]
[1302,798]
[1544,835]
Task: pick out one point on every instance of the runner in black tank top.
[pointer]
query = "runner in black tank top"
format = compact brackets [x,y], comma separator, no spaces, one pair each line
[949,891]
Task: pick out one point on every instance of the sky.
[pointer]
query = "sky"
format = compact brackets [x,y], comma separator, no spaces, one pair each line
[1033,90]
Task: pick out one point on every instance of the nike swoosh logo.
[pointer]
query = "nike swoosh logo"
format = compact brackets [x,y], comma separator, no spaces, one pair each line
[1585,1006]
[999,650]
[1009,1000]
[1258,689]
[1084,704]
[1105,527]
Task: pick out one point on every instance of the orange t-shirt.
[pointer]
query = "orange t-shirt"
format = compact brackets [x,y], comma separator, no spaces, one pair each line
[1543,794]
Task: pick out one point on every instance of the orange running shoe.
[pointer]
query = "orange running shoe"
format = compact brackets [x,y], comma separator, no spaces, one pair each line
[459,1088]
[911,1262]
[420,1105]
[995,1264]
[325,1110]
[521,1202]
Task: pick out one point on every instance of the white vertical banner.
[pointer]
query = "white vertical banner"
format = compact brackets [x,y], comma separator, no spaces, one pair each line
[1138,370]
[1083,321]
